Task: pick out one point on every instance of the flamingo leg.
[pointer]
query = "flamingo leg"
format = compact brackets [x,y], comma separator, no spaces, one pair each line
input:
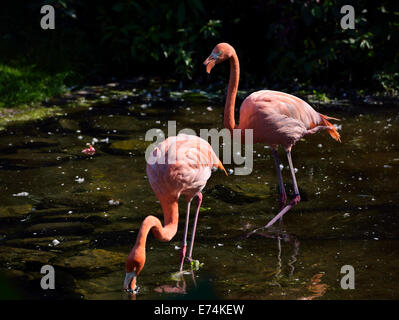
[296,198]
[195,226]
[296,190]
[184,245]
[283,194]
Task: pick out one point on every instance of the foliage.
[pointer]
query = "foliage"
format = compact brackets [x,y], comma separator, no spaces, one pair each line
[389,81]
[22,85]
[280,43]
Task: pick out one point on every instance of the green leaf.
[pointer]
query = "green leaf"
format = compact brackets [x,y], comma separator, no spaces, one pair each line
[197,4]
[118,7]
[181,12]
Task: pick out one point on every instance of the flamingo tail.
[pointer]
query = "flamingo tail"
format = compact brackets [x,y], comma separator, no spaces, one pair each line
[220,166]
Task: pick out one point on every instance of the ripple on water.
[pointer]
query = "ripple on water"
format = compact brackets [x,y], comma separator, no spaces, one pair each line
[348,213]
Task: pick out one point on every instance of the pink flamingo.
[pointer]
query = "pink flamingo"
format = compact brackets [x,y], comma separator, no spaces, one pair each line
[276,118]
[193,158]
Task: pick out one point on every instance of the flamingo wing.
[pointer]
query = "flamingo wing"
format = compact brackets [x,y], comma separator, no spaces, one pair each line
[186,168]
[280,118]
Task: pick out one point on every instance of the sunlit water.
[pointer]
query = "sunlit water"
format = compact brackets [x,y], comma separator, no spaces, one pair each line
[348,214]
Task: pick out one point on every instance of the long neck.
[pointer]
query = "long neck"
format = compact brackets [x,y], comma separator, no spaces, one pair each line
[171,219]
[229,121]
[166,233]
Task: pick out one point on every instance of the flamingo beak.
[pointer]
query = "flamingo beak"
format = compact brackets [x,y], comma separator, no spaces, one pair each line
[130,282]
[209,63]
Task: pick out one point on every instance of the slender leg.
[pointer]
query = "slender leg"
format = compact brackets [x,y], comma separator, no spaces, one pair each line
[283,195]
[296,198]
[184,245]
[195,226]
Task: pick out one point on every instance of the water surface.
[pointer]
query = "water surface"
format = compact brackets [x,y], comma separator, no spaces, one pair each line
[348,214]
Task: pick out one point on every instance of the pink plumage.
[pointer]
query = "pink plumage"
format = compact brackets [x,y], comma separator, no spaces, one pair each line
[177,166]
[276,118]
[183,166]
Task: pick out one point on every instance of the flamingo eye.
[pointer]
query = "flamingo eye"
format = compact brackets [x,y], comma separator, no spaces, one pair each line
[215,55]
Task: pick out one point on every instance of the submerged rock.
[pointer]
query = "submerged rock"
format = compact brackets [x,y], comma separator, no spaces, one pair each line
[117,122]
[101,287]
[243,193]
[15,144]
[28,159]
[92,261]
[84,201]
[24,259]
[26,284]
[131,146]
[47,243]
[16,212]
[193,96]
[60,228]
[90,217]
[69,124]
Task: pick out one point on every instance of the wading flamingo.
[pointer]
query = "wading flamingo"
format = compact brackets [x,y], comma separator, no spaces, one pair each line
[178,165]
[276,118]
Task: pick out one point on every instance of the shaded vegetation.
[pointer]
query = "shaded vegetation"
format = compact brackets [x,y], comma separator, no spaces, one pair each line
[297,44]
[26,84]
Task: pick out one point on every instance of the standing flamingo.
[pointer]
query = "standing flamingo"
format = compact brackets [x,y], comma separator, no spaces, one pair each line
[276,118]
[187,174]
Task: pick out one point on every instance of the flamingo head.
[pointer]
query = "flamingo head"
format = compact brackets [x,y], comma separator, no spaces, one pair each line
[134,264]
[220,53]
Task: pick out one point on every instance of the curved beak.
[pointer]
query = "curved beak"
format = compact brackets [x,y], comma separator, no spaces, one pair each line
[130,282]
[209,63]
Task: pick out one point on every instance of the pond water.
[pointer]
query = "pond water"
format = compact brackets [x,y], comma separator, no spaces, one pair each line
[52,191]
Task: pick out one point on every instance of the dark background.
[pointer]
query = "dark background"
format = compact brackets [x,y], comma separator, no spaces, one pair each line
[281,44]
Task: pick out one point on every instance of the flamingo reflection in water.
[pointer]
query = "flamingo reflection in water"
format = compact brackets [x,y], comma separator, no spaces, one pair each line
[286,237]
[317,288]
